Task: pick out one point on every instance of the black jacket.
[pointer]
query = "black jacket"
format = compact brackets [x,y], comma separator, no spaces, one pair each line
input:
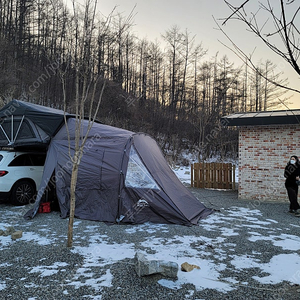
[291,171]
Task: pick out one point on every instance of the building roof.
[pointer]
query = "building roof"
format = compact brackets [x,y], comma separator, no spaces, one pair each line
[263,118]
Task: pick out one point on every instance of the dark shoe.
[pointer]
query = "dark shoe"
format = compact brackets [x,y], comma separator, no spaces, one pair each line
[292,211]
[297,213]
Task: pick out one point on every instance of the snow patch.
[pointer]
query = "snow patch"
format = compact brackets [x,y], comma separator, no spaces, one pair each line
[281,267]
[48,270]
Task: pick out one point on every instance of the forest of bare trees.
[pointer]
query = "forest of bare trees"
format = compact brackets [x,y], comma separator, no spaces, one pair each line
[172,90]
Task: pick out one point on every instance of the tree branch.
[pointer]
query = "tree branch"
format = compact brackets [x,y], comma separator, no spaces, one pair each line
[293,61]
[236,10]
[247,60]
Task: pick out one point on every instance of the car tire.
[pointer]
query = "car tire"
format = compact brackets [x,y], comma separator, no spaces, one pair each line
[22,192]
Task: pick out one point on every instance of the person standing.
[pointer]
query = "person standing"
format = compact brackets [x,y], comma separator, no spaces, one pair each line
[292,176]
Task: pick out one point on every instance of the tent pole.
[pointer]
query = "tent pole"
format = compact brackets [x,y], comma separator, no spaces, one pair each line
[12,128]
[19,128]
[119,217]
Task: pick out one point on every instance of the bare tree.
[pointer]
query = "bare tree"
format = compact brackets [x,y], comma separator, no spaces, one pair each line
[174,38]
[265,93]
[278,32]
[197,55]
[87,96]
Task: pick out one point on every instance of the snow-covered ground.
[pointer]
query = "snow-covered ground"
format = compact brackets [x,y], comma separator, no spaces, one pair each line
[282,267]
[214,248]
[213,254]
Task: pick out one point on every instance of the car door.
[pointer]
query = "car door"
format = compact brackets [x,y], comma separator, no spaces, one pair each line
[28,165]
[37,167]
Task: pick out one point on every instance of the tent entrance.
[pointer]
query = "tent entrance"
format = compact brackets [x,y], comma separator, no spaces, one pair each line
[137,175]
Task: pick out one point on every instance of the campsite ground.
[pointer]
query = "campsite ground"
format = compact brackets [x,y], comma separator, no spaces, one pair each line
[246,250]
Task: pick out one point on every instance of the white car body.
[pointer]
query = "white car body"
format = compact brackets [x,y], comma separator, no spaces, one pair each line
[20,167]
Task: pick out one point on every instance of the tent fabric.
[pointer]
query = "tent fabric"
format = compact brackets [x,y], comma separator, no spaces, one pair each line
[123,176]
[98,175]
[181,197]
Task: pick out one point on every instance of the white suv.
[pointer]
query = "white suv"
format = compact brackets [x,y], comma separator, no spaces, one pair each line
[20,175]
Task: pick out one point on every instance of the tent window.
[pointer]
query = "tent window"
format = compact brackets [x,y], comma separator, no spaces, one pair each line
[42,133]
[2,136]
[25,131]
[137,174]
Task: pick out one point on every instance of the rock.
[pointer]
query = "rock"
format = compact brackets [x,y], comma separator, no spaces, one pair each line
[186,267]
[16,235]
[146,267]
[8,231]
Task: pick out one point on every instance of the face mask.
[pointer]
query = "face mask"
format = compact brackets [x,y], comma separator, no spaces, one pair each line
[292,161]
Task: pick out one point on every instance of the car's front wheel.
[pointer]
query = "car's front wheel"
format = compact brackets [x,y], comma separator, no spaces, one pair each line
[22,192]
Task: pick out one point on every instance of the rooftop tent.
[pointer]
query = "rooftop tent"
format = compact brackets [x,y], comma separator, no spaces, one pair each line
[123,176]
[21,132]
[23,124]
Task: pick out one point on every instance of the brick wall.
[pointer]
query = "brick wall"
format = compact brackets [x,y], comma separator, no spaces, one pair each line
[263,154]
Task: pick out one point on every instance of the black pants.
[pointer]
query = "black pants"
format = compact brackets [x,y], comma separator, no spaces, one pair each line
[293,193]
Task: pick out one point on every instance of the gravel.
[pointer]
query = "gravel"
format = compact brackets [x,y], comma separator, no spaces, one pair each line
[40,266]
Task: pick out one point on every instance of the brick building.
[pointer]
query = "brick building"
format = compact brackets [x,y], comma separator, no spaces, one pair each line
[266,142]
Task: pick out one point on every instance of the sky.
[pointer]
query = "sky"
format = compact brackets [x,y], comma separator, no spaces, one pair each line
[154,17]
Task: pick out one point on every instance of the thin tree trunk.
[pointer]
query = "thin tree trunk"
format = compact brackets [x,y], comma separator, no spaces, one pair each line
[72,201]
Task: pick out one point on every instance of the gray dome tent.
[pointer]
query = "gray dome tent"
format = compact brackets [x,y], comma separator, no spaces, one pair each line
[123,176]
